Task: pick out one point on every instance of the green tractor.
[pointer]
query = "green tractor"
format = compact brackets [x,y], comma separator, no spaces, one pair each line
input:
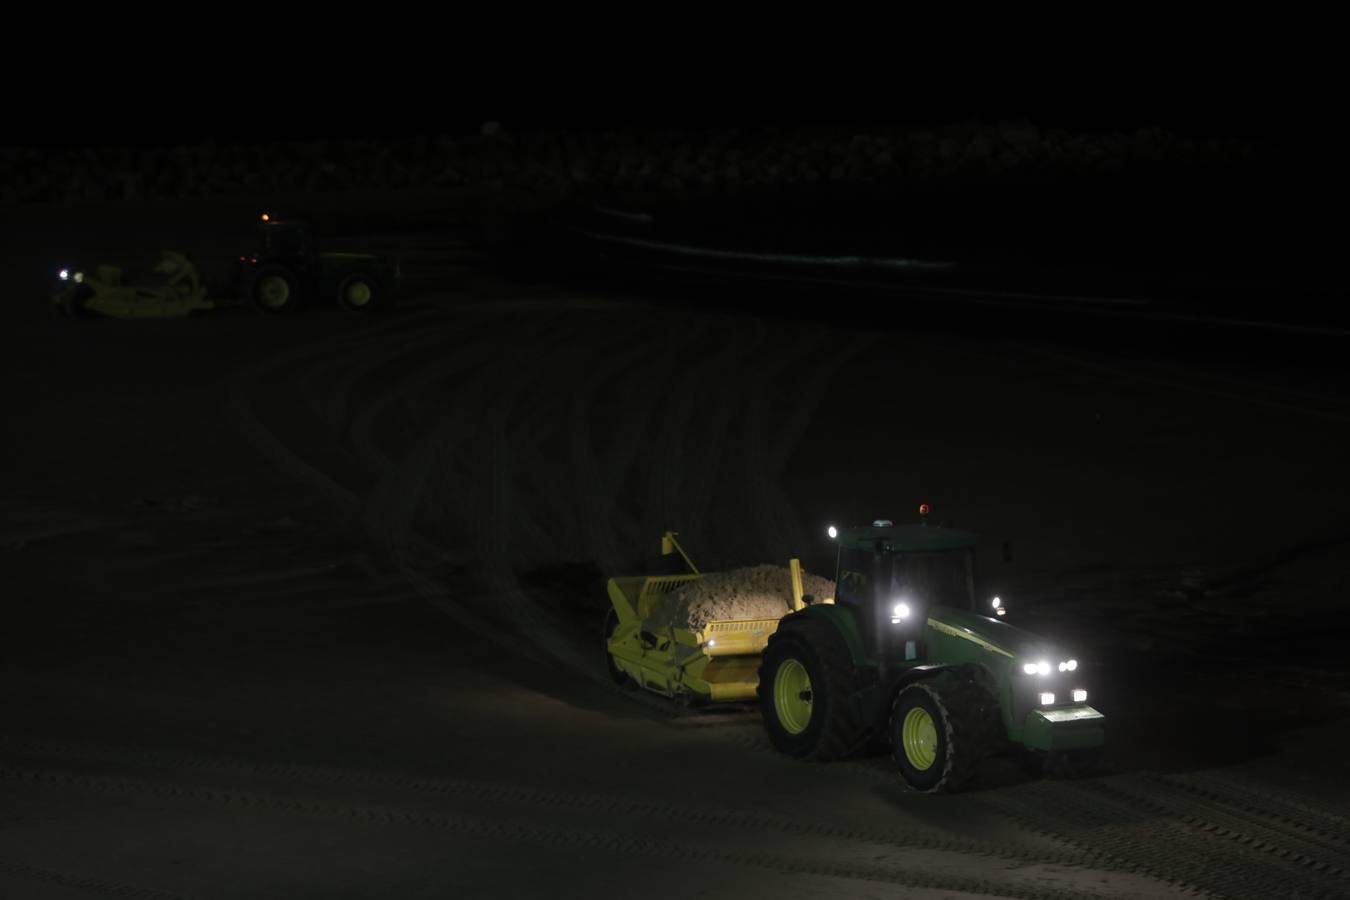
[904,654]
[288,273]
[908,655]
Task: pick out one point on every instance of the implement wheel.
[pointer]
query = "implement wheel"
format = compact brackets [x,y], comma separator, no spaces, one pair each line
[806,685]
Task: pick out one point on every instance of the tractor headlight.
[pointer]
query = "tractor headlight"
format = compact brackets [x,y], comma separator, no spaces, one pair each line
[1079,696]
[1047,699]
[899,612]
[1068,665]
[1030,668]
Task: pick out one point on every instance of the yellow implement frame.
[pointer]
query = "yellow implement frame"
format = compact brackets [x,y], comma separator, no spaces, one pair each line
[720,662]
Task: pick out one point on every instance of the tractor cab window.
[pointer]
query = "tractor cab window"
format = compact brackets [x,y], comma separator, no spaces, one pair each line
[856,572]
[933,579]
[281,240]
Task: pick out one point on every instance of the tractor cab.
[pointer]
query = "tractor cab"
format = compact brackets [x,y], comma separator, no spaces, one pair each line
[290,242]
[891,575]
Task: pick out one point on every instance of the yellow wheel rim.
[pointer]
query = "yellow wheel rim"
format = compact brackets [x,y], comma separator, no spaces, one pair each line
[358,293]
[918,735]
[792,696]
[274,291]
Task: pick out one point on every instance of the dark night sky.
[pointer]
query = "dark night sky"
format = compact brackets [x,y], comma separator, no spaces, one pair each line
[1263,112]
[1211,81]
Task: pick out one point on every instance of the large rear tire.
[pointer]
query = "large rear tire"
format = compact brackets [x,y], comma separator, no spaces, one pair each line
[806,687]
[940,731]
[276,290]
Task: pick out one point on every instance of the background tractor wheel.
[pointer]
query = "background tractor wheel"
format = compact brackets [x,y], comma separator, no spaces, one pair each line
[806,684]
[360,294]
[276,291]
[940,731]
[619,676]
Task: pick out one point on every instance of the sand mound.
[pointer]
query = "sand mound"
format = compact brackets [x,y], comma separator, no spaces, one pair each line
[754,592]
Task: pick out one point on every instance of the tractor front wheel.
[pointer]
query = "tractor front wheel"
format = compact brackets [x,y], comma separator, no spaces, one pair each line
[360,294]
[940,730]
[806,691]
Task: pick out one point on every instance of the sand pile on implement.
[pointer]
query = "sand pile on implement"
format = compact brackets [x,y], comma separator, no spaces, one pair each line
[754,592]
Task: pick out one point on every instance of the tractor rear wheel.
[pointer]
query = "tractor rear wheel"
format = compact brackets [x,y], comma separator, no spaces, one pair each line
[276,290]
[940,731]
[806,687]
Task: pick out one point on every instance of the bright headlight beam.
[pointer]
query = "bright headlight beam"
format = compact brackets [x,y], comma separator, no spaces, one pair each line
[1071,665]
[1029,668]
[1080,696]
[1047,699]
[901,611]
[1043,667]
[832,532]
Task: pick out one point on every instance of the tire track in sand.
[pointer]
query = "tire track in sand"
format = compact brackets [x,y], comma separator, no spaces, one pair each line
[855,864]
[1138,829]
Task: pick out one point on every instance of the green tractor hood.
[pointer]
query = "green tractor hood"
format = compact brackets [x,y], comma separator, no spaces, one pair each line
[985,637]
[1001,651]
